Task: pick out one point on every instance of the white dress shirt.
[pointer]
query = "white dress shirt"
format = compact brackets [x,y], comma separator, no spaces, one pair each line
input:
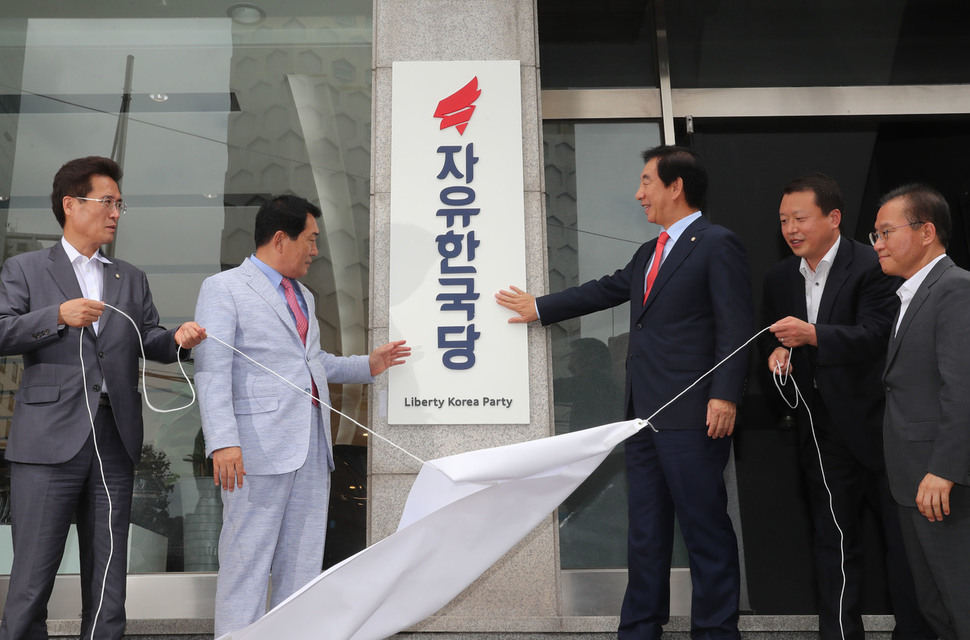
[815,279]
[674,233]
[908,289]
[90,277]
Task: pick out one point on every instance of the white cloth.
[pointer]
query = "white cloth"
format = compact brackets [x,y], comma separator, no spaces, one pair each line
[463,513]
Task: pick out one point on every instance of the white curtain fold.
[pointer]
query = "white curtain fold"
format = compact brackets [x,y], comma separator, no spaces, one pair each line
[464,512]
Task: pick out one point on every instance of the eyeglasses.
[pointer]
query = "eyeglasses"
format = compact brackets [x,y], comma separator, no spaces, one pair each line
[884,233]
[107,203]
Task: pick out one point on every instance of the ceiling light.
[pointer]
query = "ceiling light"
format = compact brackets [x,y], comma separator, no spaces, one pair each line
[246,13]
[158,97]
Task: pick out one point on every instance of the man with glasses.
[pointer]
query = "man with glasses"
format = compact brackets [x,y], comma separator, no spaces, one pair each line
[927,386]
[73,444]
[832,308]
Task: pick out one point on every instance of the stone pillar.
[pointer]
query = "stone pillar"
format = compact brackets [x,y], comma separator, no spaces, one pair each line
[520,592]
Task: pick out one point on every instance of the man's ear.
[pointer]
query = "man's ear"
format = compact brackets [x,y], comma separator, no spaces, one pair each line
[836,217]
[677,188]
[929,233]
[68,203]
[278,239]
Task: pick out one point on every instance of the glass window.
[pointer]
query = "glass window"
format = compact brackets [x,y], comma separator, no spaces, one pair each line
[587,44]
[209,115]
[766,43]
[594,226]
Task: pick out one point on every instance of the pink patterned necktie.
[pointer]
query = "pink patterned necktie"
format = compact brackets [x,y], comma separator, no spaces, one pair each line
[301,322]
[658,255]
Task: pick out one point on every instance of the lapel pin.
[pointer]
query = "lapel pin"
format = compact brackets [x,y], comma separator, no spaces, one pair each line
[118,276]
[692,238]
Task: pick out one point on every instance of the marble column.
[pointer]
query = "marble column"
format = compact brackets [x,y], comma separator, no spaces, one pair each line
[520,592]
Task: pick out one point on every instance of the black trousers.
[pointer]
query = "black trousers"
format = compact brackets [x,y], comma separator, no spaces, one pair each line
[44,498]
[679,472]
[853,485]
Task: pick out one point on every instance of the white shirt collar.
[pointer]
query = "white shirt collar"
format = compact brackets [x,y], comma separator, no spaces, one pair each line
[908,288]
[73,254]
[823,265]
[677,228]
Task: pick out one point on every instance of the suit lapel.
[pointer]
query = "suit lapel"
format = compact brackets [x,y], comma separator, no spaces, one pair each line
[914,305]
[797,291]
[682,248]
[264,289]
[838,274]
[111,293]
[62,273]
[643,261]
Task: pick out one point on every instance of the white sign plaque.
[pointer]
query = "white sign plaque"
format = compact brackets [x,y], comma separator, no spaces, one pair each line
[457,237]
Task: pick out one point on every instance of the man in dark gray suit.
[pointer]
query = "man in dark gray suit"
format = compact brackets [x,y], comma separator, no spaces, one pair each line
[927,419]
[65,434]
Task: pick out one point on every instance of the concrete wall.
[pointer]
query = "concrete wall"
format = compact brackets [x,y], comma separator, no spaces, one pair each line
[521,592]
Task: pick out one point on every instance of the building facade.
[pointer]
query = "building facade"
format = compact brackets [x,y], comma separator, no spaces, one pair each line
[213,107]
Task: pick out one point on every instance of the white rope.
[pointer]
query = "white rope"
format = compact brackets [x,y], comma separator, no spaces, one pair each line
[696,382]
[781,379]
[104,482]
[384,439]
[307,393]
[144,386]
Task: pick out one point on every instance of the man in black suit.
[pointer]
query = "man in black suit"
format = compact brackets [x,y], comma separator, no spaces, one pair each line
[832,308]
[927,425]
[686,315]
[72,447]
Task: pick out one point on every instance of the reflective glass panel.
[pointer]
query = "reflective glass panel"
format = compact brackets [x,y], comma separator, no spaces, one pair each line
[594,226]
[587,44]
[767,43]
[209,115]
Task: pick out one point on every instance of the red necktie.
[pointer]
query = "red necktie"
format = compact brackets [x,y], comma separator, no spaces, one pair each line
[301,323]
[658,255]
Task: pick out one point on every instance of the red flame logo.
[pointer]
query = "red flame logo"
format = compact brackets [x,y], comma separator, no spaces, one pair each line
[456,110]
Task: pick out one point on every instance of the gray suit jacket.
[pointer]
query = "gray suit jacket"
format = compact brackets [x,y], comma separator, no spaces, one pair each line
[927,421]
[243,405]
[50,423]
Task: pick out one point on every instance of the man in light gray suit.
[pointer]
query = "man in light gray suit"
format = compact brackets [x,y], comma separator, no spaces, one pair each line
[65,434]
[256,426]
[927,420]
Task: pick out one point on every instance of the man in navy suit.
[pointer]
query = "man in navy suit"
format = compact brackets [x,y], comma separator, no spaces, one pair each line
[832,309]
[685,316]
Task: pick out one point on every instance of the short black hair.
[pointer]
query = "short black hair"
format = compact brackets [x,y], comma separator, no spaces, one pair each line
[924,204]
[74,179]
[678,162]
[828,193]
[284,213]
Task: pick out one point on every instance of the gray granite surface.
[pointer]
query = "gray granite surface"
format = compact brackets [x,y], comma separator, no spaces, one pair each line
[454,628]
